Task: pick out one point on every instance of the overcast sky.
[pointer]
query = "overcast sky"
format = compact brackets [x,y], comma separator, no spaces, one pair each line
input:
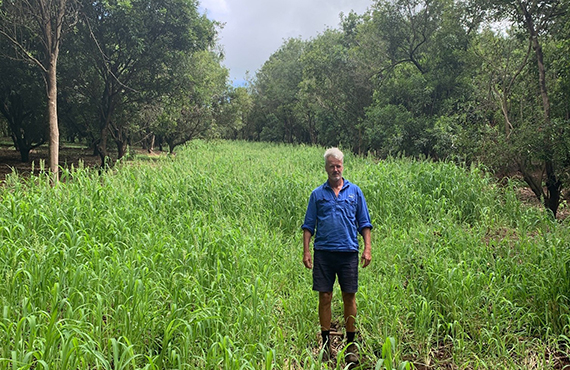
[255,29]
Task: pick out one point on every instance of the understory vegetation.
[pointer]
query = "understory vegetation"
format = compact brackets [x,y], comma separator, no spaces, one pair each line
[194,262]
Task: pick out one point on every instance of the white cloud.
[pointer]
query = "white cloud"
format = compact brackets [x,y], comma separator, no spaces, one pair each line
[254,29]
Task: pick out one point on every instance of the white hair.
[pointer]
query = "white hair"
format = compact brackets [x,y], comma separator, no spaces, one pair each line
[335,153]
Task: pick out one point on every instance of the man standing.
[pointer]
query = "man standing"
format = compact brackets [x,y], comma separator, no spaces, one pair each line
[336,212]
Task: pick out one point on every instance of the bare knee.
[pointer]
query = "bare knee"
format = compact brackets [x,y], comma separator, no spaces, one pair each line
[325,297]
[348,297]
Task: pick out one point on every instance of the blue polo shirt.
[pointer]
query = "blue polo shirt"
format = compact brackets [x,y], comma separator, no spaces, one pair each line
[337,220]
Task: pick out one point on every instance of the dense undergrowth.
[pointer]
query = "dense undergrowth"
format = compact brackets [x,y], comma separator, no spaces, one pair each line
[194,262]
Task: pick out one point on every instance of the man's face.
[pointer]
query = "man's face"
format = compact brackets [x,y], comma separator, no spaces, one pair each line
[334,169]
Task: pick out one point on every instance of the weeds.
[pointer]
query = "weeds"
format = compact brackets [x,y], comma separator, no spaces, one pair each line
[196,263]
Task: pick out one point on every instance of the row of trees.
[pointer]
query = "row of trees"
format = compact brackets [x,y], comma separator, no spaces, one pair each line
[473,80]
[127,70]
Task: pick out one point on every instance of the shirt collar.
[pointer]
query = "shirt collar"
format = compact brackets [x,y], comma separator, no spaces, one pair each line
[345,184]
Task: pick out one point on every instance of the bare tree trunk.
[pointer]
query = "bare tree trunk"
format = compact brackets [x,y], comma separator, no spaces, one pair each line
[102,147]
[52,116]
[46,21]
[553,188]
[151,146]
[553,184]
[121,148]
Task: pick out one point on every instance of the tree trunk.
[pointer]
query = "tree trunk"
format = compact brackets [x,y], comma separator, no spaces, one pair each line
[105,124]
[121,148]
[553,185]
[23,148]
[102,147]
[52,115]
[151,145]
[171,146]
[553,188]
[25,154]
[535,186]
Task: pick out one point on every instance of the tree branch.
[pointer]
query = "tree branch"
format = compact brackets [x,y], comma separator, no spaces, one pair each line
[24,51]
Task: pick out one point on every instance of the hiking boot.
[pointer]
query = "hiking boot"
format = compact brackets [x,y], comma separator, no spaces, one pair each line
[351,354]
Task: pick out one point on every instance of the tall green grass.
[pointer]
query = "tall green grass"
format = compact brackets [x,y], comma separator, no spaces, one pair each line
[195,262]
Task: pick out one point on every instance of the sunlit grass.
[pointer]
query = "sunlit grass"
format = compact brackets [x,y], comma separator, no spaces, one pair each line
[194,261]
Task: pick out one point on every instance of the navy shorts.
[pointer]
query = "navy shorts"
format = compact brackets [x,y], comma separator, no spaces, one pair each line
[328,265]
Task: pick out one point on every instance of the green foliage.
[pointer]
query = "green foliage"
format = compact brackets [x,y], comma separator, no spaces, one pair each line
[141,60]
[405,55]
[389,357]
[336,86]
[230,117]
[276,94]
[190,112]
[194,262]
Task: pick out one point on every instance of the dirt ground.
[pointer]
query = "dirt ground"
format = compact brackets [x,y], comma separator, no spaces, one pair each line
[10,159]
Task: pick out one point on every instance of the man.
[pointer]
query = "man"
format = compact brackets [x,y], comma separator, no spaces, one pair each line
[336,212]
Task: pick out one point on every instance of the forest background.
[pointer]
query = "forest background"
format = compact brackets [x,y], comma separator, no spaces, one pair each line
[476,81]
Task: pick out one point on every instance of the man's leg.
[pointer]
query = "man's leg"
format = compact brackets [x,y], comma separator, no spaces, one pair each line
[325,314]
[349,301]
[348,280]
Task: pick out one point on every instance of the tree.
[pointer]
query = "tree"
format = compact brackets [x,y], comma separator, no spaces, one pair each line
[275,93]
[337,85]
[536,20]
[133,50]
[36,28]
[190,110]
[423,74]
[22,104]
[231,113]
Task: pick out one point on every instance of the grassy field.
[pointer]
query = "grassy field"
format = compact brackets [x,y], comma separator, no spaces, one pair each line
[194,262]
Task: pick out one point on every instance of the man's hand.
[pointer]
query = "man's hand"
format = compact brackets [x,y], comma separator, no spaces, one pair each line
[367,253]
[307,260]
[366,258]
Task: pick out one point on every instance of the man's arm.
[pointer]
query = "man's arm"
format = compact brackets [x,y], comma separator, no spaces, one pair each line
[307,258]
[367,253]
